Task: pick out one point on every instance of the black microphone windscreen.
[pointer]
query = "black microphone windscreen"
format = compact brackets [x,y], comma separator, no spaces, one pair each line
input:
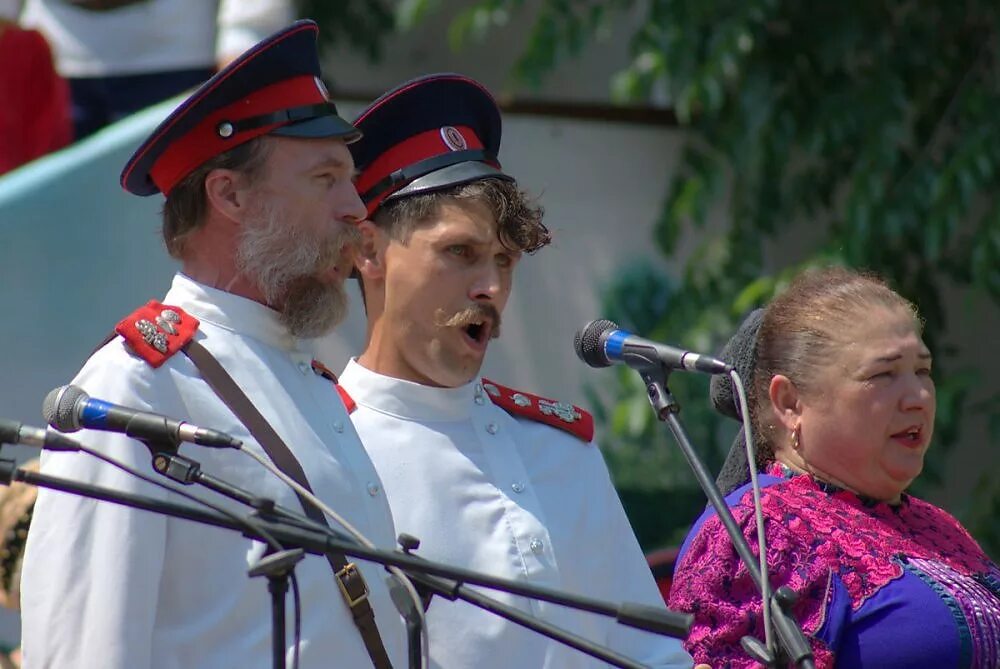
[587,342]
[741,351]
[59,407]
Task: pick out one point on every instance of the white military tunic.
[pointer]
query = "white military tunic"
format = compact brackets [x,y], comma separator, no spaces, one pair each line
[113,588]
[513,498]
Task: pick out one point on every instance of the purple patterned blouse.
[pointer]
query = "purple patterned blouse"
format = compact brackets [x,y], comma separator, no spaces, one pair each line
[881,586]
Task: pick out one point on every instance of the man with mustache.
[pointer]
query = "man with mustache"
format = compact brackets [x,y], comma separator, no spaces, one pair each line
[262,213]
[486,477]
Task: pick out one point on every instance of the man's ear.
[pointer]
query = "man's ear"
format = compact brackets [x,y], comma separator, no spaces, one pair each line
[370,257]
[227,191]
[786,402]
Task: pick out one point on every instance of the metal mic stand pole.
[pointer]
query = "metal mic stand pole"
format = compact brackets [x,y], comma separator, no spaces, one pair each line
[445,583]
[187,471]
[793,640]
[321,540]
[430,585]
[277,566]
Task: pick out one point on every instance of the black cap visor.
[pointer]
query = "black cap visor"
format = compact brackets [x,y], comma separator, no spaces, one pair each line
[319,127]
[452,175]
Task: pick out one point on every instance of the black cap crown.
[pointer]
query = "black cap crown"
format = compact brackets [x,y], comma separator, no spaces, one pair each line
[429,133]
[272,88]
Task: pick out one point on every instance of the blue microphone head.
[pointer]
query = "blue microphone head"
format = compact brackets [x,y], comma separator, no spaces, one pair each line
[589,342]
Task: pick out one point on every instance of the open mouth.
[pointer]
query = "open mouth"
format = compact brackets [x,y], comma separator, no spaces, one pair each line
[478,333]
[911,436]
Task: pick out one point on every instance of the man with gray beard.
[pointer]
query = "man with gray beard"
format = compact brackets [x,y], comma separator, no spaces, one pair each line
[261,211]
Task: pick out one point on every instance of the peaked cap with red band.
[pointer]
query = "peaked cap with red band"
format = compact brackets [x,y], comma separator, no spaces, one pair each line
[273,88]
[430,133]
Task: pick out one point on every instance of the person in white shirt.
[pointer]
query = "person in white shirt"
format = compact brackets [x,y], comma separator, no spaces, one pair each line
[121,56]
[261,211]
[486,477]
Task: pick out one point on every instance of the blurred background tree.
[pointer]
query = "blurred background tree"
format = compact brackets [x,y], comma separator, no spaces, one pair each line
[361,25]
[866,131]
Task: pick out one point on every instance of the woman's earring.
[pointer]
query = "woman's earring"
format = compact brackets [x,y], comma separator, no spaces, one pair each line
[795,439]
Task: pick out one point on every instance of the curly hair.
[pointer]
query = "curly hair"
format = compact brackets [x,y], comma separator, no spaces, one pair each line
[518,216]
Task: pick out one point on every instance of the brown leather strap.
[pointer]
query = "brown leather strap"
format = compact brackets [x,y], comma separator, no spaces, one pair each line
[351,583]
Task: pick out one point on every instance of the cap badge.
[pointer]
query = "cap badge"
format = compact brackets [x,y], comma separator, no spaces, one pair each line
[453,139]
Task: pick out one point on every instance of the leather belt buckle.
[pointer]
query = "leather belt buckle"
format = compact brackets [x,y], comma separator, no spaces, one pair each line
[352,585]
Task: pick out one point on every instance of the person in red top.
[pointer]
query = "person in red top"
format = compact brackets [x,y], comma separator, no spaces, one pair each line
[34,116]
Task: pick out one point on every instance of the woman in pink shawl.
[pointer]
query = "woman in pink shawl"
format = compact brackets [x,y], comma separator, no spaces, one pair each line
[842,405]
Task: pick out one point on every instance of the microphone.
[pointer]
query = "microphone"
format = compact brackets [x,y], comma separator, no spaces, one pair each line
[69,408]
[12,432]
[601,343]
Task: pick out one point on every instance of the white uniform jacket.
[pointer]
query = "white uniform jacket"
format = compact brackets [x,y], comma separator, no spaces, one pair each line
[513,498]
[107,587]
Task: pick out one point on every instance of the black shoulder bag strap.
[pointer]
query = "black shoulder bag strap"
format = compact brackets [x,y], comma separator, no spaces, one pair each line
[349,579]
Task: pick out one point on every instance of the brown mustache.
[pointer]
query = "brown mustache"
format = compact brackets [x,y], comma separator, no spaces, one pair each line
[475,313]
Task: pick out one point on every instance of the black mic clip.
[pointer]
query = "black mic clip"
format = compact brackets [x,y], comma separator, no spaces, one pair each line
[654,375]
[176,467]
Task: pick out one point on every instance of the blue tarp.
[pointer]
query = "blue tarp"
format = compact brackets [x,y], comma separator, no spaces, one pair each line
[77,254]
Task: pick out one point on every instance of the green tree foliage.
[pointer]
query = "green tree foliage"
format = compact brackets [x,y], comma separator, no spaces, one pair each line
[361,25]
[870,128]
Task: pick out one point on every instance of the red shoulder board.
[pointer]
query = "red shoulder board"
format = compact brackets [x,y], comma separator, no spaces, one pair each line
[157,331]
[564,416]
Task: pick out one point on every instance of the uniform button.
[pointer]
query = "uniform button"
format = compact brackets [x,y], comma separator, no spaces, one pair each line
[517,486]
[536,545]
[338,426]
[304,368]
[480,400]
[492,428]
[373,488]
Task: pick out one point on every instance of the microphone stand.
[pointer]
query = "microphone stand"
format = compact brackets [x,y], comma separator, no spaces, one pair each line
[441,579]
[793,642]
[185,470]
[276,566]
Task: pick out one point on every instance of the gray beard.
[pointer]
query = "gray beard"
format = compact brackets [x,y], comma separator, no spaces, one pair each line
[283,262]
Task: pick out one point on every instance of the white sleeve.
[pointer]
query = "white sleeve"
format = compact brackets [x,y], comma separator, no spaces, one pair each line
[243,23]
[76,608]
[629,579]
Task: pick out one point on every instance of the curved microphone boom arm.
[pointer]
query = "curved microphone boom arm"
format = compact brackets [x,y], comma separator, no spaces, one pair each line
[601,343]
[293,530]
